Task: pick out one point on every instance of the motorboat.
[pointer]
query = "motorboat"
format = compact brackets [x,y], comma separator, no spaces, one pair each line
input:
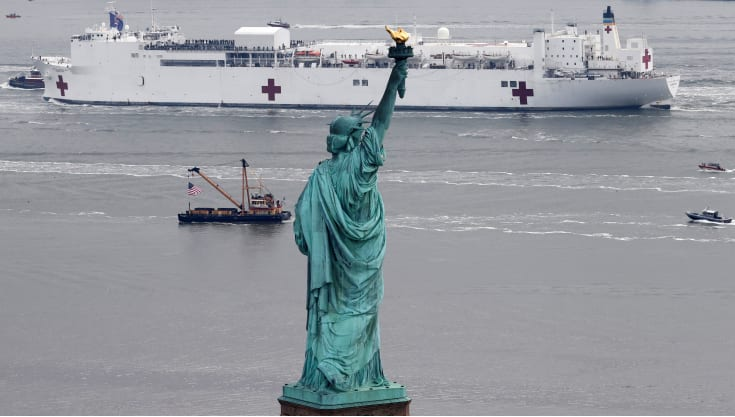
[708,215]
[31,81]
[711,166]
[278,23]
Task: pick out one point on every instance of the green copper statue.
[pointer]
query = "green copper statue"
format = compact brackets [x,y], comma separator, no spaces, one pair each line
[340,227]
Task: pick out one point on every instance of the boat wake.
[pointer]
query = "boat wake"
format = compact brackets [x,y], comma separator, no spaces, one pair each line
[602,182]
[98,216]
[710,223]
[550,225]
[6,86]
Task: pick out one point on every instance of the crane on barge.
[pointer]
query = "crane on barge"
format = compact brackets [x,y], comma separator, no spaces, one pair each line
[261,207]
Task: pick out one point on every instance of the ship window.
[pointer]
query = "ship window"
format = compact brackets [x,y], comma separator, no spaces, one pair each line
[514,84]
[355,82]
[364,83]
[504,83]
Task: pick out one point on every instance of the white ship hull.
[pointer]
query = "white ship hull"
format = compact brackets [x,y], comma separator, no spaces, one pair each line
[444,89]
[129,70]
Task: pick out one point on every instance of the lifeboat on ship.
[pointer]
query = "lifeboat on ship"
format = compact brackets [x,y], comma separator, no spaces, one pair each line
[495,61]
[306,56]
[377,58]
[466,60]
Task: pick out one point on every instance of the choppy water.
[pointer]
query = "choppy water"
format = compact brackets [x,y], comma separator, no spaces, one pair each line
[538,263]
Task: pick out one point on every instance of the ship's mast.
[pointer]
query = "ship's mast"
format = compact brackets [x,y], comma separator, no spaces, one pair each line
[153,17]
[245,185]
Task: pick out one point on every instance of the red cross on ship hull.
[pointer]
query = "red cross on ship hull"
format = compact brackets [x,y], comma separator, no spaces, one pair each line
[522,92]
[271,89]
[62,86]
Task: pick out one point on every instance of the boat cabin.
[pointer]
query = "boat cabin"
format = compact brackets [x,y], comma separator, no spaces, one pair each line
[711,213]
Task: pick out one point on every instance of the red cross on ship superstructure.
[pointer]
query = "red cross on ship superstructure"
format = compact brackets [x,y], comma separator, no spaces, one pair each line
[646,58]
[62,86]
[608,29]
[271,89]
[522,92]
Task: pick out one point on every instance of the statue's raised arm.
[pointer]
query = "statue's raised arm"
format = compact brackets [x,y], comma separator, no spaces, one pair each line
[396,82]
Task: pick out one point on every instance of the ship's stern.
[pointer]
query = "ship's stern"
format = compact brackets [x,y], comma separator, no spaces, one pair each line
[672,84]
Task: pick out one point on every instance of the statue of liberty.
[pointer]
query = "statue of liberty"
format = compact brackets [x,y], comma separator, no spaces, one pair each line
[340,227]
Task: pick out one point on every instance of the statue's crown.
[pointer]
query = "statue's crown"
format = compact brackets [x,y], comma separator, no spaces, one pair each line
[345,125]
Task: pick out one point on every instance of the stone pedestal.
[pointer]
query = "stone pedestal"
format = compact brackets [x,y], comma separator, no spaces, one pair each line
[380,401]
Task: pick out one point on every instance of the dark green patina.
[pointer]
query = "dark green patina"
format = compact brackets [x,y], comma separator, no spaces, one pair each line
[340,227]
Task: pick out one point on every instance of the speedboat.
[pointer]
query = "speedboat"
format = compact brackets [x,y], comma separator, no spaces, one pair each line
[278,23]
[708,215]
[711,166]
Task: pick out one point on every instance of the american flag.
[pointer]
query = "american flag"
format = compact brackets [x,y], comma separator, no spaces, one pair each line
[193,189]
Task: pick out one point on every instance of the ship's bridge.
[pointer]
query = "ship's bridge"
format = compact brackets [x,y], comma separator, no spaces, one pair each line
[104,33]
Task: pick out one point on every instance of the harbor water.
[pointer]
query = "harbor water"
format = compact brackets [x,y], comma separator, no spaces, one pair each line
[537,263]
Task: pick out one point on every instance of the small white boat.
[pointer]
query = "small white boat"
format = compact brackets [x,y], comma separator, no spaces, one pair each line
[278,23]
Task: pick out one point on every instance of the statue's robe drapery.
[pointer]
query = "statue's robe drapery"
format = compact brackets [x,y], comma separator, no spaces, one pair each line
[340,227]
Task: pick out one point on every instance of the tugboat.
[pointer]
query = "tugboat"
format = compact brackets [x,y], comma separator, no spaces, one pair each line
[32,81]
[711,166]
[708,215]
[261,207]
[12,16]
